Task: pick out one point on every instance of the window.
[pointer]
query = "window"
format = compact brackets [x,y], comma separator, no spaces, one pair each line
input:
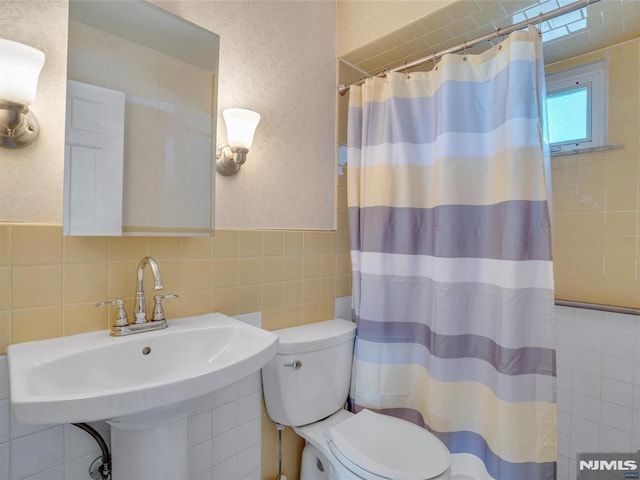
[577,107]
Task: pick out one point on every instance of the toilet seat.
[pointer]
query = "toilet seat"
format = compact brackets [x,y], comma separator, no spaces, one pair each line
[376,446]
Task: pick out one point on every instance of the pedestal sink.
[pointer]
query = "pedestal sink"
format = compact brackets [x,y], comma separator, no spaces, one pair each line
[140,383]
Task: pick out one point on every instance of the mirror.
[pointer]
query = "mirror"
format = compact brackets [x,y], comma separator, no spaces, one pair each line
[141,122]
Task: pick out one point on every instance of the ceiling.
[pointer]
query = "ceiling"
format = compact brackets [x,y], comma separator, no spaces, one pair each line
[601,24]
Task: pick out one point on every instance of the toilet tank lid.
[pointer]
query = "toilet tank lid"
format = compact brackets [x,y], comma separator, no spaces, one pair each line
[315,336]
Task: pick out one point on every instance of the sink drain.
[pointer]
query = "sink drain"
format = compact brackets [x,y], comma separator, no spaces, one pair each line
[146,350]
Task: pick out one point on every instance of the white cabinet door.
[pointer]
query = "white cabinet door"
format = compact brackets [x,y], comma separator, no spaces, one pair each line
[93,160]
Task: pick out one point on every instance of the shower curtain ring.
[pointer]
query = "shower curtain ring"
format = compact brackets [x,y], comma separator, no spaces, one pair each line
[540,25]
[464,50]
[406,71]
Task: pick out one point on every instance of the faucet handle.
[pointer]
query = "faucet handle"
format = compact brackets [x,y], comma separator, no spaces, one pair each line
[158,311]
[121,317]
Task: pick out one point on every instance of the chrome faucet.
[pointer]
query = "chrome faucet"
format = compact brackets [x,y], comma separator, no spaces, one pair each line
[121,325]
[141,303]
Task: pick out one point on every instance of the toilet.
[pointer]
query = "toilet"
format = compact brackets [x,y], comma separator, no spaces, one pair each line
[306,386]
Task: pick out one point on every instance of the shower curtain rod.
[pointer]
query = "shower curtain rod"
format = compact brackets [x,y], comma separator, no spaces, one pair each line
[500,32]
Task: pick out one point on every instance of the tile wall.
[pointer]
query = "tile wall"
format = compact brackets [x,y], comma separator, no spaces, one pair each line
[50,283]
[376,35]
[596,203]
[362,22]
[598,356]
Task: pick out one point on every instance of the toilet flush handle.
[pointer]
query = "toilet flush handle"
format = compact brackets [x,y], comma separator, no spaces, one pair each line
[296,364]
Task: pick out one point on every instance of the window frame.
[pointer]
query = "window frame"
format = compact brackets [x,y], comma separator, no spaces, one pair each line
[594,77]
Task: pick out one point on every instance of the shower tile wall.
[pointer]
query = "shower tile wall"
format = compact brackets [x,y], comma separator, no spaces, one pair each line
[598,356]
[595,196]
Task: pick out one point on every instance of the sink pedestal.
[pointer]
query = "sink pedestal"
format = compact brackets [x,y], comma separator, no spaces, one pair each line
[153,444]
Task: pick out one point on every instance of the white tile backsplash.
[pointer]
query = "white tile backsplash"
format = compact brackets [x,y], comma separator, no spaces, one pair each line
[18,429]
[227,470]
[586,384]
[200,457]
[4,460]
[613,440]
[225,446]
[224,435]
[617,337]
[615,391]
[200,427]
[249,434]
[589,322]
[617,368]
[615,416]
[343,307]
[205,475]
[55,473]
[583,429]
[4,421]
[584,407]
[253,318]
[587,361]
[249,408]
[37,452]
[4,377]
[225,395]
[78,443]
[598,357]
[251,384]
[77,468]
[248,461]
[225,418]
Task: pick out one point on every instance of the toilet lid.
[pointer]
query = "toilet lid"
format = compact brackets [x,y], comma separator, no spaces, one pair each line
[389,447]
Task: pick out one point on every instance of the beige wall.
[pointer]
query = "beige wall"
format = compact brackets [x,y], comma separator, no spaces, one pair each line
[362,22]
[276,58]
[31,183]
[595,197]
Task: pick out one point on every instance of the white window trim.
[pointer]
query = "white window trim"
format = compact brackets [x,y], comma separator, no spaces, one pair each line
[595,75]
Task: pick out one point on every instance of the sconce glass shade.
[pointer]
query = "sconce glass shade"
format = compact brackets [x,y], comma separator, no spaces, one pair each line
[20,66]
[241,126]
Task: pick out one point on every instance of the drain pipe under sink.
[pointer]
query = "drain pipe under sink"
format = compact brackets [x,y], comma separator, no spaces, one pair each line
[100,468]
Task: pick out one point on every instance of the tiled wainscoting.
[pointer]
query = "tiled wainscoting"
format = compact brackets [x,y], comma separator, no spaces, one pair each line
[598,411]
[598,356]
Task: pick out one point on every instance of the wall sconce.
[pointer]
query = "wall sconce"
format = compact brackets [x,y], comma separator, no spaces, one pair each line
[20,66]
[241,125]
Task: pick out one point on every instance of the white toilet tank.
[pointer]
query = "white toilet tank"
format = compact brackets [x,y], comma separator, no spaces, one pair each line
[309,377]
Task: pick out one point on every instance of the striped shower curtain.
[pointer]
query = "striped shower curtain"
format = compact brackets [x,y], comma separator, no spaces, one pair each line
[451,257]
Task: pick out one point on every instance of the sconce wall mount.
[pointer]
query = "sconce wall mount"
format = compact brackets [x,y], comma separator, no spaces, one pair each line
[229,159]
[241,126]
[20,66]
[18,125]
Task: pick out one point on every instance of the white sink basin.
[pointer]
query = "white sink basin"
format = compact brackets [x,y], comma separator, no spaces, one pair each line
[93,376]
